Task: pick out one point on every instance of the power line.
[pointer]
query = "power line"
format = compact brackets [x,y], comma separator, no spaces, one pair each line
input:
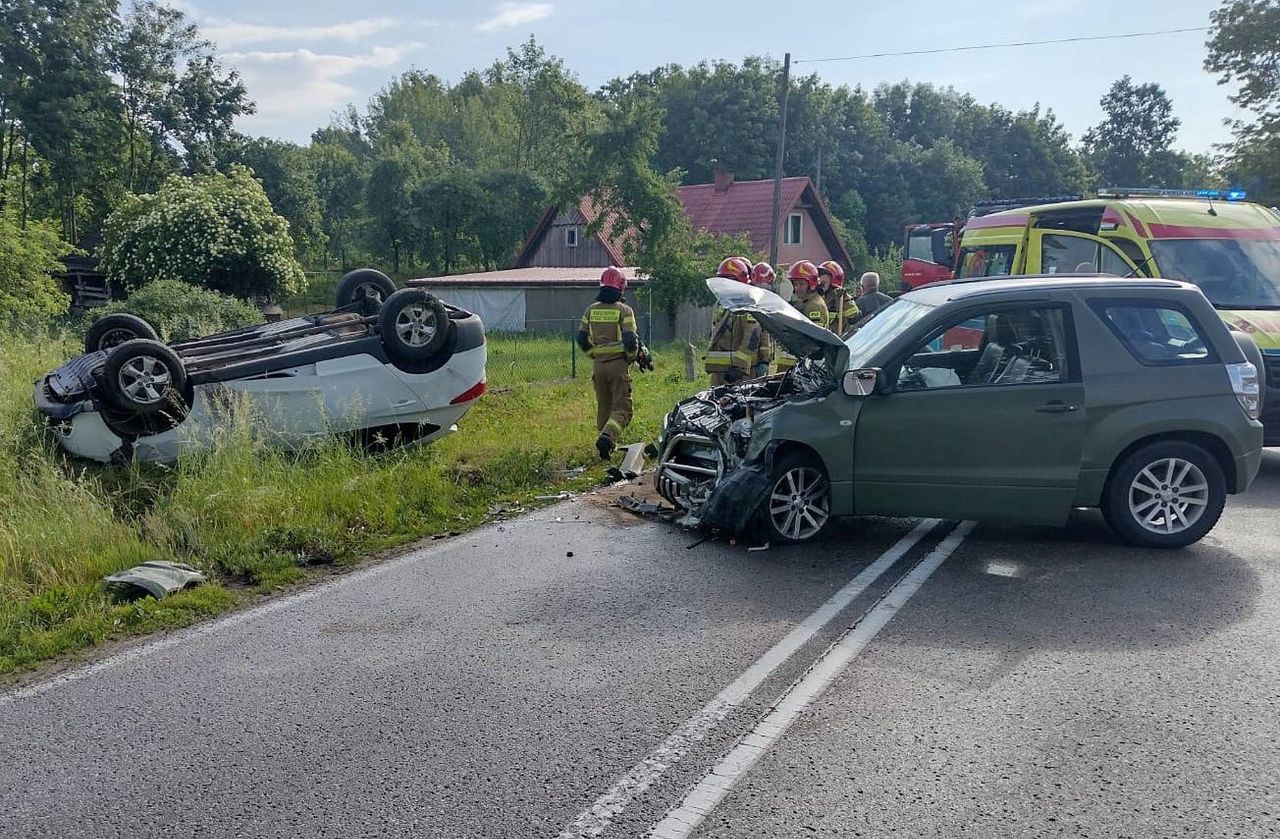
[1009,44]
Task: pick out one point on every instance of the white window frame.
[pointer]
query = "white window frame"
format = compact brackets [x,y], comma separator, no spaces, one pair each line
[571,237]
[799,226]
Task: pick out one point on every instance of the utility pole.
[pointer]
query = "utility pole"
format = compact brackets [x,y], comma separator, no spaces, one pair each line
[777,169]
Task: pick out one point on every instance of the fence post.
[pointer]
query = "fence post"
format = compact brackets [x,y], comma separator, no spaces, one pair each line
[573,356]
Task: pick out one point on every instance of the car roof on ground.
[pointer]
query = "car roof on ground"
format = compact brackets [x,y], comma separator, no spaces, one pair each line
[936,294]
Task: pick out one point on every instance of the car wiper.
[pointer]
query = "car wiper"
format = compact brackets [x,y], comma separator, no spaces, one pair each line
[1139,267]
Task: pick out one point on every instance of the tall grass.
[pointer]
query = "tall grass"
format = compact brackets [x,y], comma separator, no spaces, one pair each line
[256,517]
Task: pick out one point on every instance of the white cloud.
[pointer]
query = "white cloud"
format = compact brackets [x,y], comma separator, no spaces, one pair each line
[296,85]
[229,33]
[508,15]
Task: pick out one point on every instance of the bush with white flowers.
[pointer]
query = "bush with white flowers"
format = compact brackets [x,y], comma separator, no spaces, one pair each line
[217,231]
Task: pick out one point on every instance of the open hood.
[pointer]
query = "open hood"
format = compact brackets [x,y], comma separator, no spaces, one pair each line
[802,337]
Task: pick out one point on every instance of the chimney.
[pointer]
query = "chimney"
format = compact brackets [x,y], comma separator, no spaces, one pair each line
[724,179]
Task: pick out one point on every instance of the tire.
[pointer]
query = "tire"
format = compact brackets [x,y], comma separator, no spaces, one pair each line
[110,331]
[144,378]
[797,479]
[366,288]
[414,327]
[1165,495]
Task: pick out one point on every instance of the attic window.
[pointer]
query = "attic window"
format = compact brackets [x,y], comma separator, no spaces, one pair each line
[571,237]
[792,234]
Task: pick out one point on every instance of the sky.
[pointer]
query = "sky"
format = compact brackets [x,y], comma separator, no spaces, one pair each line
[302,61]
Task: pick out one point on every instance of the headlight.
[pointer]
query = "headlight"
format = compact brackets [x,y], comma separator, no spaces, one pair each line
[761,435]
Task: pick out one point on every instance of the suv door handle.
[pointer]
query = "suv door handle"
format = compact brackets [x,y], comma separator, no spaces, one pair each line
[1057,407]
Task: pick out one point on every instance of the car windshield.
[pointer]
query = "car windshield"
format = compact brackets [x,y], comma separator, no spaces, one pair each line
[1232,273]
[880,330]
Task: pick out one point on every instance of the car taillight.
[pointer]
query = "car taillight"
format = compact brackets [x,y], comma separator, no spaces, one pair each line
[1244,380]
[473,392]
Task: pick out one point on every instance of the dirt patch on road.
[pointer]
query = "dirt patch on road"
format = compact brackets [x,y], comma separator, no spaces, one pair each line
[607,499]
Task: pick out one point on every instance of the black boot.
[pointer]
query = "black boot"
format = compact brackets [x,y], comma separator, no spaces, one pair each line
[604,446]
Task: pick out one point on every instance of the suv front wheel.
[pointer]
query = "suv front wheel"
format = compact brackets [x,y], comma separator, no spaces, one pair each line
[1165,495]
[798,506]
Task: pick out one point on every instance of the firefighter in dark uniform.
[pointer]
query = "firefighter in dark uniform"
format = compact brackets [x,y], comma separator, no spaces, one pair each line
[608,334]
[841,306]
[735,336]
[763,276]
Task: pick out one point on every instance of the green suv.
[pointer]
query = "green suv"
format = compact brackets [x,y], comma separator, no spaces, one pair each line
[1015,399]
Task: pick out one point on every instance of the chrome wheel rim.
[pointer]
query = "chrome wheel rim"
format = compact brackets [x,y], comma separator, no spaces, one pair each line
[1168,495]
[144,379]
[369,291]
[115,337]
[416,325]
[799,504]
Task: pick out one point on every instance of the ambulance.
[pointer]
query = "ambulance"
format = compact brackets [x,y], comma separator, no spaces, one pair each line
[1228,247]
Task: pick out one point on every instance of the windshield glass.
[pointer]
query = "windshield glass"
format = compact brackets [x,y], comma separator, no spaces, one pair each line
[880,330]
[1232,273]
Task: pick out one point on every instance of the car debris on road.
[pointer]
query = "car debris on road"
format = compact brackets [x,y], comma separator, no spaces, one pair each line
[157,579]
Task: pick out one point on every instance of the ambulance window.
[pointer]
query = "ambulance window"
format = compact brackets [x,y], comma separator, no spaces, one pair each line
[986,261]
[1112,263]
[1135,254]
[1067,255]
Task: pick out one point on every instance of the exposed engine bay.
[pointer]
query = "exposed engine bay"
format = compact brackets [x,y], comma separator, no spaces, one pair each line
[706,447]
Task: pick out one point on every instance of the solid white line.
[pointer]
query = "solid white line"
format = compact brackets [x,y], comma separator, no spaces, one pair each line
[594,820]
[680,822]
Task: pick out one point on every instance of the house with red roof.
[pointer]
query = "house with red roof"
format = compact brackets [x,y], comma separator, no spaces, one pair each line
[805,231]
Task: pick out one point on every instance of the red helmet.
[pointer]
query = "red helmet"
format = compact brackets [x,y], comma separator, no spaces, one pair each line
[762,274]
[833,268]
[735,268]
[803,274]
[614,278]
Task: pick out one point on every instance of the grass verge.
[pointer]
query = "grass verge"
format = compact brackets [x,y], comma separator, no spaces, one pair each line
[256,518]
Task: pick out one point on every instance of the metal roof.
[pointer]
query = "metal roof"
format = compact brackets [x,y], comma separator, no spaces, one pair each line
[528,277]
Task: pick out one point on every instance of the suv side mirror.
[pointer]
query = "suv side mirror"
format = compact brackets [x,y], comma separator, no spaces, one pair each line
[861,382]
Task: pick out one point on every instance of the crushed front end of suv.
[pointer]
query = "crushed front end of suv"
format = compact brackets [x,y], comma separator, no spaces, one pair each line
[384,364]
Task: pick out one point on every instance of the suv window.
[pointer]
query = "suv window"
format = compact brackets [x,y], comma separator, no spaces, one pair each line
[1155,334]
[1009,346]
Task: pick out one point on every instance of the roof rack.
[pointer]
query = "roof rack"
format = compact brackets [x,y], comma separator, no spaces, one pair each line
[995,205]
[1194,194]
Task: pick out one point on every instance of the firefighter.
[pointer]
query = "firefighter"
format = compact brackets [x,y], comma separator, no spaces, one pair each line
[608,334]
[735,337]
[809,299]
[763,276]
[841,306]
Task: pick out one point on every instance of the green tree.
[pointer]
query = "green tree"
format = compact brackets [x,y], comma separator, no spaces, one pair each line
[399,164]
[28,256]
[1132,146]
[217,231]
[340,188]
[449,205]
[550,105]
[1244,50]
[513,202]
[290,183]
[180,312]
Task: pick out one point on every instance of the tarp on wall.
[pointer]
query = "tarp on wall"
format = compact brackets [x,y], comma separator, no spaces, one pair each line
[501,309]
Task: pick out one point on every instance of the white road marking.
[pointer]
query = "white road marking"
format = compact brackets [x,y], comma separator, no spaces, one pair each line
[597,818]
[680,822]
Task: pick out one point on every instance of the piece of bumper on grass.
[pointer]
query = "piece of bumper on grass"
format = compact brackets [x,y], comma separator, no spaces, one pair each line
[157,579]
[735,501]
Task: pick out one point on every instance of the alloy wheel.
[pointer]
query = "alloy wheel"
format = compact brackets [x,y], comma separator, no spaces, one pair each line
[799,504]
[144,379]
[1168,495]
[115,337]
[416,325]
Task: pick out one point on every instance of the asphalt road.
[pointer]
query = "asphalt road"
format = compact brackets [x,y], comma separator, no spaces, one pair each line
[999,682]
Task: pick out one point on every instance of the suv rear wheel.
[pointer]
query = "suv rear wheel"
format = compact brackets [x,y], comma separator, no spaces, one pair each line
[1165,495]
[798,505]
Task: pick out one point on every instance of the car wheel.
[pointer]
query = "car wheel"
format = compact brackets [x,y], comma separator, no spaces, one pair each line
[110,331]
[1165,495]
[144,378]
[797,507]
[366,288]
[413,326]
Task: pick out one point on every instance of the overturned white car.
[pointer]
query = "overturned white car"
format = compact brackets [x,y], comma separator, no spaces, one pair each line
[398,365]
